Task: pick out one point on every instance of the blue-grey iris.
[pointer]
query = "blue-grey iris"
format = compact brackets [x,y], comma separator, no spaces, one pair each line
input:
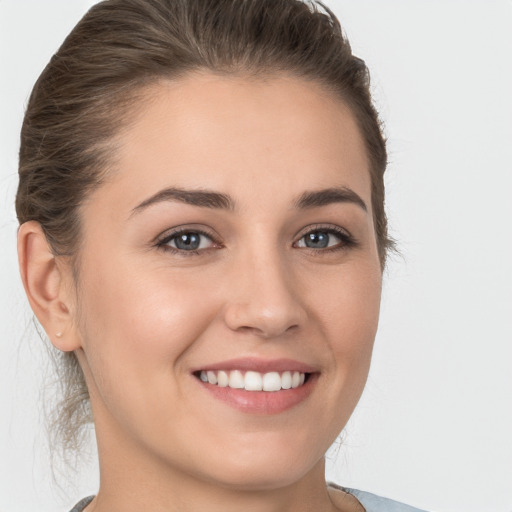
[188,241]
[317,240]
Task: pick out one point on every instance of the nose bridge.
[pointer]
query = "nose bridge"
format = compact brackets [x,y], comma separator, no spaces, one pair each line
[264,299]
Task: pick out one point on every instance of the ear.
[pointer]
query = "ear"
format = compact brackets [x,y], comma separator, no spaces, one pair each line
[47,281]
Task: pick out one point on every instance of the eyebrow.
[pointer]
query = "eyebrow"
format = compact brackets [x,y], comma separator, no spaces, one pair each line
[218,200]
[202,198]
[328,196]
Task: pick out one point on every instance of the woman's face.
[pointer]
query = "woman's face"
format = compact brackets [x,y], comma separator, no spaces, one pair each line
[233,241]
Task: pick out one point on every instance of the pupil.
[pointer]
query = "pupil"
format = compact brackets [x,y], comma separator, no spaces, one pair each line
[188,241]
[317,240]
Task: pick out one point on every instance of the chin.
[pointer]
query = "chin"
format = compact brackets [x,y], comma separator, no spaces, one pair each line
[256,478]
[265,465]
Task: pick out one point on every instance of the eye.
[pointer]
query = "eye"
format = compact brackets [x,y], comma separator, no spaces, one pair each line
[318,240]
[187,241]
[325,238]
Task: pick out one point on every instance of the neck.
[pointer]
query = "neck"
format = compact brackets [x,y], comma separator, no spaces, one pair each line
[129,482]
[173,493]
[135,476]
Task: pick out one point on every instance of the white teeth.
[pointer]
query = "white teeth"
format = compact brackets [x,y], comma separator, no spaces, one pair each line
[254,381]
[236,379]
[222,379]
[271,381]
[286,380]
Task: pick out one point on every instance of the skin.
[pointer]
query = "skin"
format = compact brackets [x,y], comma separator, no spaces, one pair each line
[141,317]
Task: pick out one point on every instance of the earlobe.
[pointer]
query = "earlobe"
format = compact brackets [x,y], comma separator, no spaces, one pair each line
[46,284]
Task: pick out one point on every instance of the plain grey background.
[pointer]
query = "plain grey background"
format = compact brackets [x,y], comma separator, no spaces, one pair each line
[434,426]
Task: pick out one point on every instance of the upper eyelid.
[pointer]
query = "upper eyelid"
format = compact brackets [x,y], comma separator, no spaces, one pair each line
[172,232]
[322,227]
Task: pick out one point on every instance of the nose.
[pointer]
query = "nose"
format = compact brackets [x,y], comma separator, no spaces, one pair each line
[264,299]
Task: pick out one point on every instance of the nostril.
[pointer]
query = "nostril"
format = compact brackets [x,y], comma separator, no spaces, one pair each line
[264,322]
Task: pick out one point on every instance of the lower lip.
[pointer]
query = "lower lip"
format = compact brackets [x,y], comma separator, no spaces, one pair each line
[262,402]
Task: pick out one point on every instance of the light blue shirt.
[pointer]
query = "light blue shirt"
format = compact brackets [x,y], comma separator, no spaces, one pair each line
[370,502]
[373,503]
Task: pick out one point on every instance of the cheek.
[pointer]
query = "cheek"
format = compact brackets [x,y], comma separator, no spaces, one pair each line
[349,314]
[138,323]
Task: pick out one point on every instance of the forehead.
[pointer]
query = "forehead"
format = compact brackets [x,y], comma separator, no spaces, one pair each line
[274,134]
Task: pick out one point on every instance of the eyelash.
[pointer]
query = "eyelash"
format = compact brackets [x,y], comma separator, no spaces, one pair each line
[347,240]
[162,243]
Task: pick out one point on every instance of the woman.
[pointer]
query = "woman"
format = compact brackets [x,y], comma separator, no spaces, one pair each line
[203,236]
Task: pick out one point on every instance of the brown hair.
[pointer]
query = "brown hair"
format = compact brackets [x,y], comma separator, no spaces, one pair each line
[91,85]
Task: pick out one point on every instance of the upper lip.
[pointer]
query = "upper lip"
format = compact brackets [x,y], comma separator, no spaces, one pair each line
[247,364]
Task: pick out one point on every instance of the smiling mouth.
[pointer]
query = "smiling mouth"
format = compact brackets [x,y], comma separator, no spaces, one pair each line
[253,381]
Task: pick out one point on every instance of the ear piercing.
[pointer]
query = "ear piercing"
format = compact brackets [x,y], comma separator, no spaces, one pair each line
[58,334]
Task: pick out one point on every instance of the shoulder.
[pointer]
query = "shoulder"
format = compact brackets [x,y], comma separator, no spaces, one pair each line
[79,507]
[373,503]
